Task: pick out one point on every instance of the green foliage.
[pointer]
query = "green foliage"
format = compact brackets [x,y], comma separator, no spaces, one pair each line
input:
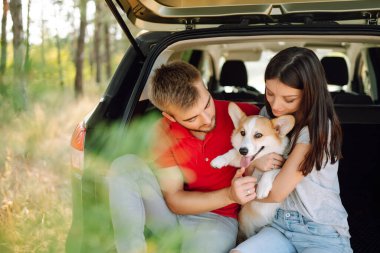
[35,190]
[133,139]
[35,187]
[43,70]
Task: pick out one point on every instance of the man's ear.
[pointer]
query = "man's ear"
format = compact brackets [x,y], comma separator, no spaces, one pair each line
[235,113]
[168,116]
[283,124]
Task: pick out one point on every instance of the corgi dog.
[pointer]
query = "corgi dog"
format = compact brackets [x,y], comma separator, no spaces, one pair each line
[253,137]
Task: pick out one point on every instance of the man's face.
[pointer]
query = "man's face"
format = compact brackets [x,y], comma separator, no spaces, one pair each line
[200,117]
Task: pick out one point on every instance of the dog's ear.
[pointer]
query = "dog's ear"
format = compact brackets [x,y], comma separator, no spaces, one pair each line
[283,124]
[235,113]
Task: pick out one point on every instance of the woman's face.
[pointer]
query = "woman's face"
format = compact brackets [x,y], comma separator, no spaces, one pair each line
[282,98]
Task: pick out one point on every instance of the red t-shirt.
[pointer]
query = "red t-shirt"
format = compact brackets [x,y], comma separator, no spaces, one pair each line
[193,156]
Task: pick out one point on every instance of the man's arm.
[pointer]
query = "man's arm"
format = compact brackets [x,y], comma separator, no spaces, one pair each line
[192,202]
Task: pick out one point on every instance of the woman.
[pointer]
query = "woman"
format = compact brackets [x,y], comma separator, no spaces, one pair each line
[312,217]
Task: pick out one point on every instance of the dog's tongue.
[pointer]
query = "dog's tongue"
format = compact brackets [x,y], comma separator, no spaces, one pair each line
[245,161]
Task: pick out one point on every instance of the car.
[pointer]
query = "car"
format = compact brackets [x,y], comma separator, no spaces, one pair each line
[231,42]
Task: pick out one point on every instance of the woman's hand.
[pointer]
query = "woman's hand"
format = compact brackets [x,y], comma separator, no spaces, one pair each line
[267,162]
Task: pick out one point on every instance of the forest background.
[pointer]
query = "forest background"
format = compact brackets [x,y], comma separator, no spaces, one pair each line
[56,60]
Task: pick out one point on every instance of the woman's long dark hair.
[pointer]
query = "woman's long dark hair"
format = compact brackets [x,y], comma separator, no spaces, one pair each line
[300,68]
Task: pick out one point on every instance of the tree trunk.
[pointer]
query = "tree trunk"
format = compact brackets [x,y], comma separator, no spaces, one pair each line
[42,46]
[97,39]
[27,60]
[78,85]
[58,45]
[59,61]
[20,98]
[3,62]
[107,49]
[73,35]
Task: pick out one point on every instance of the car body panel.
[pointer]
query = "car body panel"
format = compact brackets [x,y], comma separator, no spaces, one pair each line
[178,15]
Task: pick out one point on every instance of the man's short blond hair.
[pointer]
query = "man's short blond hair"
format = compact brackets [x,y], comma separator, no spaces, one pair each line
[173,85]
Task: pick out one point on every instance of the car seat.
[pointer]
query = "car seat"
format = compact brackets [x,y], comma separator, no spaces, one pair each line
[234,74]
[336,71]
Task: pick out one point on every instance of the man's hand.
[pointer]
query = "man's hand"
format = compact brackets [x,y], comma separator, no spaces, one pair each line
[242,189]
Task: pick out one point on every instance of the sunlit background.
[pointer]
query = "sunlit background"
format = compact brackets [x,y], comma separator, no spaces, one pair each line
[55,18]
[35,193]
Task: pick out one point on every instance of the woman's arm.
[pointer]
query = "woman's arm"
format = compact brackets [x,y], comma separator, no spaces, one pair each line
[289,176]
[266,163]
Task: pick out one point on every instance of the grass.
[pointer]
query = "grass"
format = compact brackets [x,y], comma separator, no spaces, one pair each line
[35,193]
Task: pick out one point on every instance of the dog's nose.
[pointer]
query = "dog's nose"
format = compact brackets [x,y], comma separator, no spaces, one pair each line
[243,151]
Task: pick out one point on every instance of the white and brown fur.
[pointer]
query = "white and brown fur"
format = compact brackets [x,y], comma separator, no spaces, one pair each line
[253,137]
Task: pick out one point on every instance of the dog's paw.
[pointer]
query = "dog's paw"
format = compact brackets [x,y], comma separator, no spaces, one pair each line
[264,187]
[265,184]
[219,162]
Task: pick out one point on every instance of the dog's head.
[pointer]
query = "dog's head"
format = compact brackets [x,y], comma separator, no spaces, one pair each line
[255,136]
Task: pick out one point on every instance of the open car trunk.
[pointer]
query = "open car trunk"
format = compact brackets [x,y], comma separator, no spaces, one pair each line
[207,34]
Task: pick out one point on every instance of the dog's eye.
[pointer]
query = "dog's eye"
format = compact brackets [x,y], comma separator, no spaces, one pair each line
[242,132]
[258,135]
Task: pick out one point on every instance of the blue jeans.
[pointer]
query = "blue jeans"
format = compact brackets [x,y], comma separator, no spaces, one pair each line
[136,203]
[291,232]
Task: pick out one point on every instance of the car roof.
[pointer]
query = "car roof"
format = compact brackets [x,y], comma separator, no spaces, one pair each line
[179,15]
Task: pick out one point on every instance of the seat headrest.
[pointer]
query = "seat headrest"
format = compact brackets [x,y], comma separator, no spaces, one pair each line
[336,70]
[234,73]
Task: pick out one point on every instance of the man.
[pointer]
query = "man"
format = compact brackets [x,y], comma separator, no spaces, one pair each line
[204,201]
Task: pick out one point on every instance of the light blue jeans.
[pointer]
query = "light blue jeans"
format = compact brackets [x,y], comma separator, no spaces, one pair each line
[291,232]
[136,203]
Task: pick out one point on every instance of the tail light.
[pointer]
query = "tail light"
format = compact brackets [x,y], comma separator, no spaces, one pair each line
[77,144]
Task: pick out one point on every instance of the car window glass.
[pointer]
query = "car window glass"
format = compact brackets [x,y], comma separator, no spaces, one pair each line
[364,75]
[206,67]
[256,70]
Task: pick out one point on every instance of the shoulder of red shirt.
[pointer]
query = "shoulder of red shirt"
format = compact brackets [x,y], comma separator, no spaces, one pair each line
[248,108]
